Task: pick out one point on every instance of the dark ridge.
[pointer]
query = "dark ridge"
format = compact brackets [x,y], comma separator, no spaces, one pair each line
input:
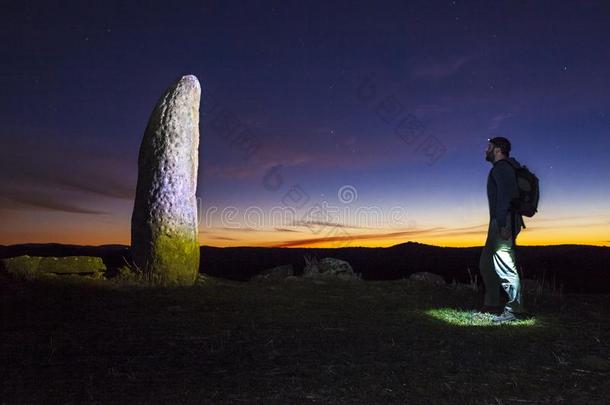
[579,268]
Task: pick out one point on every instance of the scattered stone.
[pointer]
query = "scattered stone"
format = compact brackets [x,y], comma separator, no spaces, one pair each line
[275,274]
[329,268]
[427,277]
[164,237]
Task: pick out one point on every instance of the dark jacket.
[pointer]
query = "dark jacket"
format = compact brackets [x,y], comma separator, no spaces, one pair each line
[501,189]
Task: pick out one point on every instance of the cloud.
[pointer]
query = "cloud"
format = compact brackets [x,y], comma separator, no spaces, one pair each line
[437,70]
[221,238]
[102,186]
[313,149]
[258,166]
[286,230]
[436,231]
[38,200]
[311,241]
[322,223]
[498,118]
[237,229]
[79,170]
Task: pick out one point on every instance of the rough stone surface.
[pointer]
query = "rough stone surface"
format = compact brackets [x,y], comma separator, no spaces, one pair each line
[29,267]
[24,267]
[275,273]
[72,265]
[427,277]
[164,242]
[329,267]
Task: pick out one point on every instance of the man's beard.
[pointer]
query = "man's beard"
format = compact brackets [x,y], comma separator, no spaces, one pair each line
[489,156]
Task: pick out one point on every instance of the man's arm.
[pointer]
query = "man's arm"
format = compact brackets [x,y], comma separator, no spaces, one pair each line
[506,188]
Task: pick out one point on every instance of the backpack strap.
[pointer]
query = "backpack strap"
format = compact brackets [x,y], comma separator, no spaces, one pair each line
[507,161]
[512,211]
[512,226]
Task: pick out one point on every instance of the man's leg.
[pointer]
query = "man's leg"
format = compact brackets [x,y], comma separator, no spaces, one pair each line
[488,273]
[505,265]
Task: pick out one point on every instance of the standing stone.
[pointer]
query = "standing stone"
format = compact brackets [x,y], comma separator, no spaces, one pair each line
[164,237]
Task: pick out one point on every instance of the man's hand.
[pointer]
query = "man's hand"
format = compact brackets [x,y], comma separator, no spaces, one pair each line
[505,233]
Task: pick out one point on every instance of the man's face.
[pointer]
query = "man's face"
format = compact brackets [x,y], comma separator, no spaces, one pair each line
[489,153]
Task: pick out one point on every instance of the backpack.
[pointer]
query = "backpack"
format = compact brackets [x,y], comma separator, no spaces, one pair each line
[529,192]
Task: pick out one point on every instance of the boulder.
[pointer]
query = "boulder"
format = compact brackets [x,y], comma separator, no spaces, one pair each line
[329,268]
[275,274]
[164,236]
[72,265]
[28,267]
[426,277]
[23,267]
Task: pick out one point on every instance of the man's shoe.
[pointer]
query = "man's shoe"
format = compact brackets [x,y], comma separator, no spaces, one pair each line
[507,316]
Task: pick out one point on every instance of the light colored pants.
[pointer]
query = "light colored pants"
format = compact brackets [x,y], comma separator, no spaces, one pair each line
[498,267]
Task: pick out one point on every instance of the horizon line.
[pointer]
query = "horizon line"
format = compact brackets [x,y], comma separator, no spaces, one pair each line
[305,247]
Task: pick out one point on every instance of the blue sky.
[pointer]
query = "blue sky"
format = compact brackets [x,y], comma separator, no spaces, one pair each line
[80,81]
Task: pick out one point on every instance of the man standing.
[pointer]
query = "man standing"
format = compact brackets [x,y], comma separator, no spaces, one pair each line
[498,265]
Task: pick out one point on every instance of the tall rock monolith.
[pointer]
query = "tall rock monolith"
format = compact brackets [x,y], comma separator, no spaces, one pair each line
[164,240]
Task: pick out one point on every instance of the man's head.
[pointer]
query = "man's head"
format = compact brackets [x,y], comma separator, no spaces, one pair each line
[497,148]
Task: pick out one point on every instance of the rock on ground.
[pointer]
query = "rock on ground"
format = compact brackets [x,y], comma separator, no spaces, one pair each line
[329,267]
[275,273]
[72,265]
[28,267]
[164,237]
[24,267]
[427,277]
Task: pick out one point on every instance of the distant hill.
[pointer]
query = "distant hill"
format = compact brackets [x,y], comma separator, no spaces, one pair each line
[580,268]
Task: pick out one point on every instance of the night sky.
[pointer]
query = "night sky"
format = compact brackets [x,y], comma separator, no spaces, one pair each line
[378,113]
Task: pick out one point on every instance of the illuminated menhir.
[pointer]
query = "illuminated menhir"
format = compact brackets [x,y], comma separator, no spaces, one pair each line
[164,240]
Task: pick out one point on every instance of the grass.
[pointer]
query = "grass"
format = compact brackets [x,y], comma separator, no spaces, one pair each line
[295,342]
[473,318]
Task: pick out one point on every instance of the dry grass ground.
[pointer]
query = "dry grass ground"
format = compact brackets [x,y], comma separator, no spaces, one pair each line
[295,342]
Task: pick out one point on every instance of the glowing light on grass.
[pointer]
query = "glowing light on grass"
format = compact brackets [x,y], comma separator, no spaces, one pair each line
[462,317]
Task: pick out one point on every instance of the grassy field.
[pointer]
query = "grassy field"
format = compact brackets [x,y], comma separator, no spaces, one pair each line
[295,342]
